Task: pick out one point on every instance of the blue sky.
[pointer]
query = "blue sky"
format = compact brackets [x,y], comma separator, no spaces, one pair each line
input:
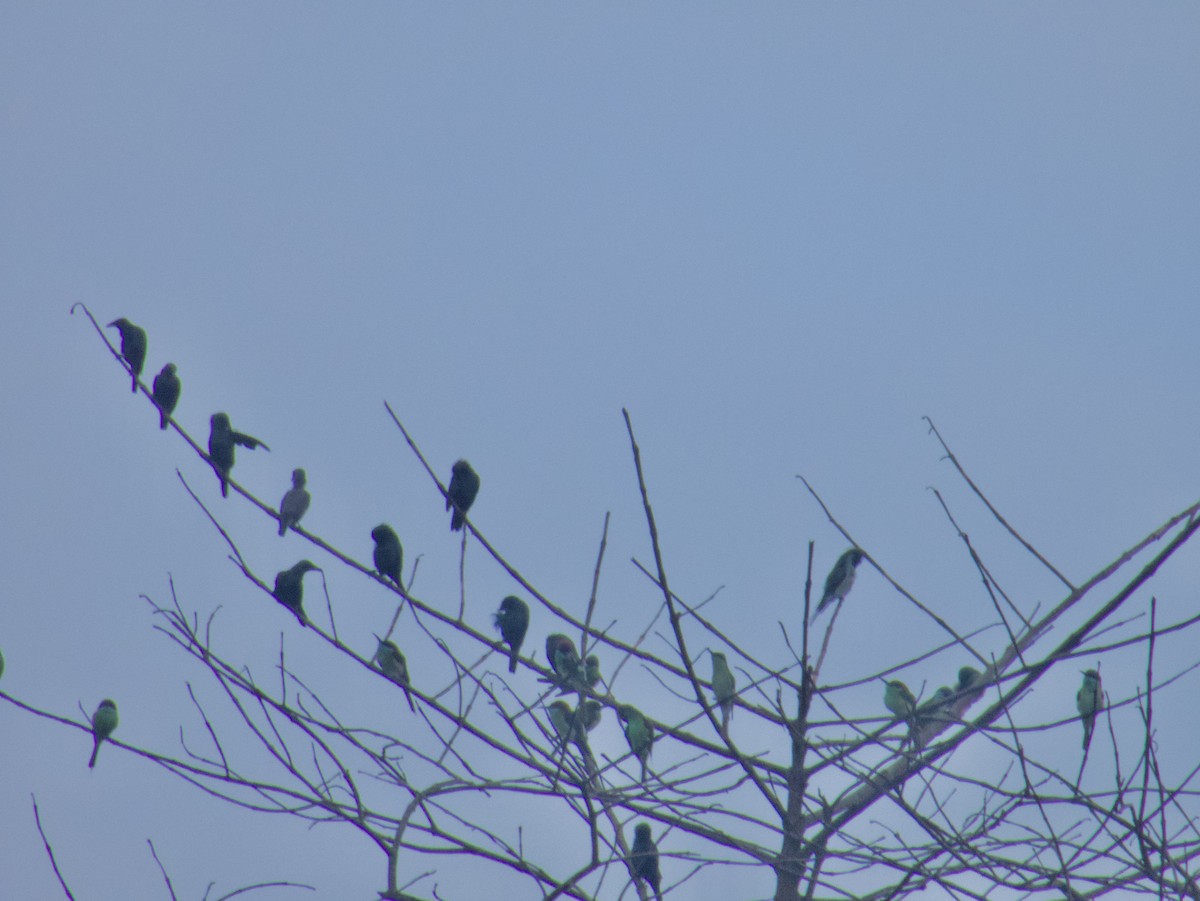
[778,235]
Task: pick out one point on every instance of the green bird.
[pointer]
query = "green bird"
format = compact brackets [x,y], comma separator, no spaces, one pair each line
[639,733]
[389,553]
[968,676]
[591,712]
[591,670]
[564,660]
[221,441]
[1089,701]
[724,688]
[393,665]
[133,346]
[567,725]
[840,580]
[935,708]
[289,588]
[104,721]
[643,859]
[464,485]
[899,700]
[512,619]
[166,393]
[295,502]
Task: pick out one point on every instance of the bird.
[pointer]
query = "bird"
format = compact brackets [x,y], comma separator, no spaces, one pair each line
[643,859]
[724,688]
[840,580]
[1089,701]
[133,346]
[591,670]
[935,708]
[393,665]
[166,393]
[464,485]
[639,733]
[104,721]
[389,553]
[967,677]
[512,619]
[566,724]
[899,700]
[289,588]
[590,712]
[221,441]
[564,660]
[295,502]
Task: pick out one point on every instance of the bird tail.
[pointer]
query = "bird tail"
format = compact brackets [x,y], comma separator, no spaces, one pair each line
[283,524]
[224,486]
[95,751]
[135,383]
[512,659]
[408,697]
[162,421]
[456,520]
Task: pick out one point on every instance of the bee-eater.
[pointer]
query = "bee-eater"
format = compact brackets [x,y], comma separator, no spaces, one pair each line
[104,721]
[1089,701]
[512,619]
[967,677]
[840,580]
[591,670]
[289,588]
[643,859]
[590,712]
[724,688]
[935,709]
[393,665]
[567,725]
[221,441]
[898,699]
[564,660]
[295,502]
[166,393]
[464,485]
[389,553]
[639,733]
[133,346]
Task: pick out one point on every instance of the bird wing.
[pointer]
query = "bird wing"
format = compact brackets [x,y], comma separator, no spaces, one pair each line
[248,441]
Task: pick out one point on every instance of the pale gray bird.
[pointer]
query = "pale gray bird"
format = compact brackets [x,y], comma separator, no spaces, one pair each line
[133,346]
[724,688]
[166,393]
[1089,701]
[393,665]
[104,721]
[840,580]
[294,503]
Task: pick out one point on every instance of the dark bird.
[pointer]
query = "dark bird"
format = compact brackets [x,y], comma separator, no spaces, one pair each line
[724,689]
[564,660]
[643,859]
[133,346]
[1089,701]
[104,721]
[590,712]
[968,676]
[840,580]
[512,619]
[389,553]
[289,588]
[393,665]
[464,485]
[166,393]
[591,671]
[639,733]
[221,441]
[295,502]
[568,724]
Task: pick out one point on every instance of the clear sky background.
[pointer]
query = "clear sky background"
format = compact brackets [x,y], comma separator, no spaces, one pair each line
[778,234]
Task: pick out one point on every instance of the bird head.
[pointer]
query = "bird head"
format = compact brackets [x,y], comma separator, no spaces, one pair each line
[121,323]
[305,566]
[641,832]
[109,702]
[461,467]
[510,604]
[169,369]
[967,676]
[220,421]
[298,478]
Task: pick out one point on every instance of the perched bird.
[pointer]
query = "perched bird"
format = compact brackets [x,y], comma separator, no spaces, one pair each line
[564,660]
[221,441]
[968,676]
[512,619]
[295,502]
[1089,701]
[724,688]
[840,580]
[104,721]
[643,859]
[639,733]
[898,699]
[590,712]
[389,553]
[166,393]
[289,588]
[133,346]
[591,670]
[393,665]
[935,708]
[567,725]
[464,485]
